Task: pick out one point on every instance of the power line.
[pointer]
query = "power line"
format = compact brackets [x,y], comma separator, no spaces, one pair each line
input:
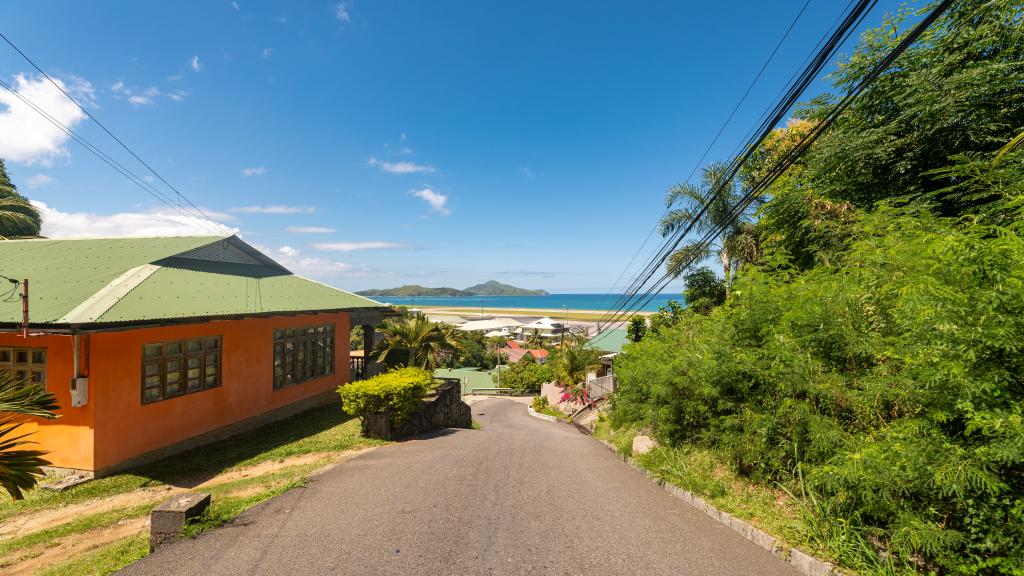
[111,134]
[108,160]
[793,154]
[721,129]
[798,84]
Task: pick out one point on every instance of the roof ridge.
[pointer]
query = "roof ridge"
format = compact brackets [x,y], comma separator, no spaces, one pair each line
[93,307]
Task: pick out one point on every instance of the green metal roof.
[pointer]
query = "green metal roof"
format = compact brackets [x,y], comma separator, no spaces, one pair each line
[609,341]
[144,279]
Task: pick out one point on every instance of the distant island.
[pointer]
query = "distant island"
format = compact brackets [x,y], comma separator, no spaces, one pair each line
[489,288]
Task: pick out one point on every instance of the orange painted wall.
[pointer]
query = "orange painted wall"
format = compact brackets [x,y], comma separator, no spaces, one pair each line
[68,439]
[126,428]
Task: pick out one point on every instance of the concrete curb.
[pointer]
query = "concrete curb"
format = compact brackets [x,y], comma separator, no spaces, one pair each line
[536,414]
[801,561]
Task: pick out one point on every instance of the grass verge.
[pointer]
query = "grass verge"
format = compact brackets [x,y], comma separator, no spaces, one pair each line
[325,430]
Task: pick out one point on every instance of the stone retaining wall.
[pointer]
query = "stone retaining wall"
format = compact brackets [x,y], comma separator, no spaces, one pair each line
[442,409]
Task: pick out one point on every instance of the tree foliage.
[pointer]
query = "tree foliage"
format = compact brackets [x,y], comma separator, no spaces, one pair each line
[17,216]
[20,400]
[871,357]
[526,375]
[416,341]
[704,290]
[637,328]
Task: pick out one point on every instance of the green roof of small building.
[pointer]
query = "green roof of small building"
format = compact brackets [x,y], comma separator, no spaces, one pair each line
[125,280]
[608,341]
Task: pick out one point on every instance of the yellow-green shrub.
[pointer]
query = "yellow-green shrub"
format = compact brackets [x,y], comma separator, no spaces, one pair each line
[397,393]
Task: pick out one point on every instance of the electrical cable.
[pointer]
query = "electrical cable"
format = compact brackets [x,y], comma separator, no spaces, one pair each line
[111,134]
[793,154]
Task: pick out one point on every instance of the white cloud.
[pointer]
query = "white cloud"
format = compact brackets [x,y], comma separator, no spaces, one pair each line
[143,96]
[255,171]
[39,180]
[406,150]
[195,63]
[527,172]
[402,167]
[354,246]
[174,77]
[235,6]
[164,222]
[275,209]
[25,135]
[315,267]
[266,53]
[341,13]
[403,137]
[438,202]
[178,95]
[310,230]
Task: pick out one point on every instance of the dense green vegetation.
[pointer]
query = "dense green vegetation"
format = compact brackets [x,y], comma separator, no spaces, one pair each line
[493,288]
[489,288]
[868,357]
[413,290]
[526,375]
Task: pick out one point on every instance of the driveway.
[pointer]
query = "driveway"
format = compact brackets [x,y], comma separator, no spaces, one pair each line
[519,496]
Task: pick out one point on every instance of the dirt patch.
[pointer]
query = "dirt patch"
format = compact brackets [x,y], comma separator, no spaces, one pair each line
[37,558]
[42,519]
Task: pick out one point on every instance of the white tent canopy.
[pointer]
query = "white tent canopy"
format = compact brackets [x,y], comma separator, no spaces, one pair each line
[544,323]
[490,325]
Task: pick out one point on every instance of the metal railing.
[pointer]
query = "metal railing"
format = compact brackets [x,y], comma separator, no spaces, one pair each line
[602,386]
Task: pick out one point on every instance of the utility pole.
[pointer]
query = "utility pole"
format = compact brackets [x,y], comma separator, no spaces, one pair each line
[24,308]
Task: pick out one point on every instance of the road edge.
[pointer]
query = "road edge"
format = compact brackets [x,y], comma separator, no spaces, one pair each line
[536,414]
[801,561]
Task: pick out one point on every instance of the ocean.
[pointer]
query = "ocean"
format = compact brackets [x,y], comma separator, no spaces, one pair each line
[551,301]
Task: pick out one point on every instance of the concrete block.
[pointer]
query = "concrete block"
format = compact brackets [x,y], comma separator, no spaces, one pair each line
[168,519]
[808,565]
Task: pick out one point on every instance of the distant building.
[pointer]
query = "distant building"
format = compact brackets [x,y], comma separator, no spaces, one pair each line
[513,353]
[545,327]
[153,345]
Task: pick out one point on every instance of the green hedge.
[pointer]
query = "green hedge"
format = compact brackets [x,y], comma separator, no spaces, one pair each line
[397,392]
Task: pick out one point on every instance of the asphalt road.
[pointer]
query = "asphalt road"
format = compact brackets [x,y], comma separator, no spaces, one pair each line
[519,496]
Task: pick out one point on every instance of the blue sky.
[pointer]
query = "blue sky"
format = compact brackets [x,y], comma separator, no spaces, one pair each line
[373,144]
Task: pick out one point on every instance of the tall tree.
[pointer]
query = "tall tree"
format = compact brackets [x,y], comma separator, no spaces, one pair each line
[415,341]
[19,400]
[17,216]
[684,203]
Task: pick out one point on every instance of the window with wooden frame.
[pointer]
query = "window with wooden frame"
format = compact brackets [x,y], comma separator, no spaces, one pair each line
[179,367]
[25,364]
[302,354]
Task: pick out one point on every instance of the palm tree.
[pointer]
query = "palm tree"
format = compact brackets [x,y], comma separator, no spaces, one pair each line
[416,341]
[534,340]
[20,399]
[737,243]
[17,216]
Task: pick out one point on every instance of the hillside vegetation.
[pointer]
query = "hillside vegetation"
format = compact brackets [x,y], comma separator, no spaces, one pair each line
[869,358]
[489,288]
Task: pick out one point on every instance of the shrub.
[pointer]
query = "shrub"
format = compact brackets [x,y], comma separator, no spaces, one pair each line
[524,376]
[893,380]
[397,393]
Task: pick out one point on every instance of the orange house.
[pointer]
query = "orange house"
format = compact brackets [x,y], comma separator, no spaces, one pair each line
[155,345]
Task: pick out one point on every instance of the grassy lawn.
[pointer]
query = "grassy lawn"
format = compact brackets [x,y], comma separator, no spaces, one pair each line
[287,453]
